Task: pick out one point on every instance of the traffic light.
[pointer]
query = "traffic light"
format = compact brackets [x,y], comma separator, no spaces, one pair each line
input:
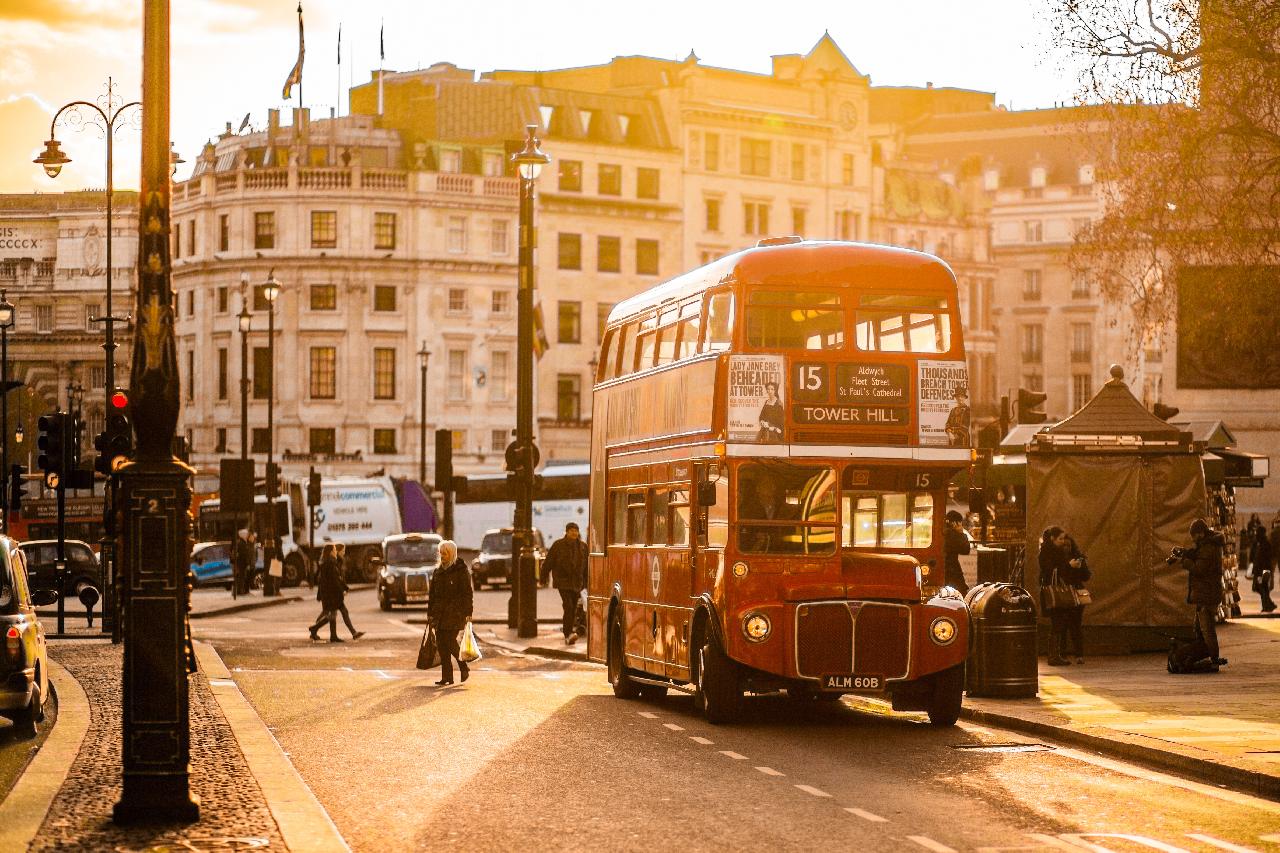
[444,459]
[1031,406]
[313,488]
[273,480]
[17,487]
[115,443]
[53,446]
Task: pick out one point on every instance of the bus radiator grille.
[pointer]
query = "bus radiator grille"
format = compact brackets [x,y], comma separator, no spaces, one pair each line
[824,639]
[882,640]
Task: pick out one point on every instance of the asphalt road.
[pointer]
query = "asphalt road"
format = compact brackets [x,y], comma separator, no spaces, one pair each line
[537,754]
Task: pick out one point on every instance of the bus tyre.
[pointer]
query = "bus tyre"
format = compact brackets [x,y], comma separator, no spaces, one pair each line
[294,569]
[384,601]
[623,686]
[948,693]
[719,695]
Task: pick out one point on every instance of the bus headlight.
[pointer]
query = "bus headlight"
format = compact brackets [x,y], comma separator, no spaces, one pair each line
[756,627]
[943,631]
[739,569]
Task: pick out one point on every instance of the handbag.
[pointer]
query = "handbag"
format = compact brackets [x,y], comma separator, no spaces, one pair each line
[468,649]
[1083,597]
[1058,595]
[428,650]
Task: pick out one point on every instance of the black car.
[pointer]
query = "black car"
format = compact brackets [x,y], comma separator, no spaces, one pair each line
[493,566]
[24,660]
[83,568]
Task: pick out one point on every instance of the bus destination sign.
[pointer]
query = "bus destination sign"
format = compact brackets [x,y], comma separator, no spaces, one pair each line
[864,394]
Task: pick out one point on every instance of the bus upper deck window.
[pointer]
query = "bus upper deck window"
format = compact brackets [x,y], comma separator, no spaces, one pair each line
[778,319]
[719,322]
[627,350]
[648,346]
[603,370]
[667,337]
[690,331]
[903,323]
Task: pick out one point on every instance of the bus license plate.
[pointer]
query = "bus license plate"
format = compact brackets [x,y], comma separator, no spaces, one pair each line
[868,683]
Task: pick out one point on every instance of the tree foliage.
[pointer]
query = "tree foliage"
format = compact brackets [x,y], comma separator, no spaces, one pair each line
[1189,161]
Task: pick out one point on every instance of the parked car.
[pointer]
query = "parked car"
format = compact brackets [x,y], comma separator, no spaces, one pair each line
[24,657]
[411,559]
[493,566]
[211,564]
[83,568]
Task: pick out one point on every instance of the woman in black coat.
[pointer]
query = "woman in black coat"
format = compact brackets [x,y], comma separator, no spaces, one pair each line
[1263,575]
[331,589]
[449,609]
[1059,554]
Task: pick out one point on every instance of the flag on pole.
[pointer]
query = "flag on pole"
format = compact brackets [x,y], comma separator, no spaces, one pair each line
[540,343]
[244,123]
[382,46]
[339,44]
[295,76]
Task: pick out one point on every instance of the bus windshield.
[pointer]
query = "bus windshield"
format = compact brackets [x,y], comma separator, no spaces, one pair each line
[785,319]
[897,323]
[786,509]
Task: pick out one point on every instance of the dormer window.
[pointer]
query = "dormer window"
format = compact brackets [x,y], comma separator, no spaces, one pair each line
[991,180]
[450,160]
[624,122]
[546,112]
[587,116]
[1037,176]
[1085,175]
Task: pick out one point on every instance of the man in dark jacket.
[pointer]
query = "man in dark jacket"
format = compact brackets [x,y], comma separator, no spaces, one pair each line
[449,607]
[567,564]
[244,559]
[1203,562]
[1261,557]
[954,543]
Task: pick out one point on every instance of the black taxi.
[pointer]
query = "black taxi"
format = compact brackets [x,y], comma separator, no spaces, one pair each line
[24,657]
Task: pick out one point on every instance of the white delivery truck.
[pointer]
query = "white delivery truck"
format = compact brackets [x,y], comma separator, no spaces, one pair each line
[358,513]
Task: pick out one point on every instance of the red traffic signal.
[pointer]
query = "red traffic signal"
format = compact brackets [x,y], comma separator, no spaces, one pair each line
[119,400]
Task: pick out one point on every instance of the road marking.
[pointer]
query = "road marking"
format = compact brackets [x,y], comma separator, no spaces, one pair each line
[673,727]
[1079,838]
[809,789]
[221,682]
[929,844]
[769,771]
[865,815]
[735,756]
[648,715]
[382,674]
[701,740]
[1220,844]
[406,627]
[1273,839]
[1059,844]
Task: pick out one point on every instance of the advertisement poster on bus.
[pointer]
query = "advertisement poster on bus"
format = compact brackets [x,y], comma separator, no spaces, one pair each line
[756,412]
[944,404]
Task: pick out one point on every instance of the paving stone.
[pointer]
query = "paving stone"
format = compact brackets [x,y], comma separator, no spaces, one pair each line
[233,813]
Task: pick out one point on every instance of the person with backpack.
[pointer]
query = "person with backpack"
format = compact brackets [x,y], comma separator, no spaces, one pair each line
[567,563]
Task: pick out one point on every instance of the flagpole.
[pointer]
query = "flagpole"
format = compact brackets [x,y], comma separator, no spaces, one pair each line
[338,100]
[382,55]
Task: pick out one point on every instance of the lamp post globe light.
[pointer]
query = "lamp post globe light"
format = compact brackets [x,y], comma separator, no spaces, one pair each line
[522,454]
[6,323]
[424,356]
[271,291]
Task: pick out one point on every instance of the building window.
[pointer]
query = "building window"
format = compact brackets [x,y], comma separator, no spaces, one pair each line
[220,444]
[713,214]
[569,323]
[1033,381]
[646,183]
[609,254]
[568,397]
[191,374]
[324,373]
[797,162]
[500,303]
[711,152]
[44,318]
[261,440]
[324,229]
[610,179]
[323,440]
[457,234]
[384,230]
[492,164]
[500,237]
[498,440]
[457,385]
[797,221]
[1031,284]
[90,314]
[570,176]
[988,300]
[846,170]
[224,232]
[384,373]
[97,376]
[384,297]
[847,225]
[602,319]
[324,297]
[261,374]
[457,300]
[222,373]
[647,257]
[224,300]
[569,255]
[1081,390]
[1033,343]
[264,230]
[1081,342]
[450,160]
[755,157]
[1079,287]
[755,217]
[260,301]
[384,441]
[500,376]
[191,237]
[459,440]
[1034,230]
[191,303]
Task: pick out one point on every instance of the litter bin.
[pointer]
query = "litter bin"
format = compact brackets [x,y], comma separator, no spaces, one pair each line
[1002,642]
[993,564]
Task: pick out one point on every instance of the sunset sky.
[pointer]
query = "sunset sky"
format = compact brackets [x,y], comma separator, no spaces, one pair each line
[231,57]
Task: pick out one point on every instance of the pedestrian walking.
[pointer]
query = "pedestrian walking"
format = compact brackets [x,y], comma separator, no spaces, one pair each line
[342,601]
[449,609]
[1063,572]
[244,559]
[1263,558]
[567,565]
[1203,562]
[329,591]
[954,543]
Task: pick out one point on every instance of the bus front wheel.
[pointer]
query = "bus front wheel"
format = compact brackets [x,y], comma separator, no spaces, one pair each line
[719,693]
[623,686]
[948,694]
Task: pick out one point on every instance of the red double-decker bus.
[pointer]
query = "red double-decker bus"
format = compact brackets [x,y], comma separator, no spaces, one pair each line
[772,438]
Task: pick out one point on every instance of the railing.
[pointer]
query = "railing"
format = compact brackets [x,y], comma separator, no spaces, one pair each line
[266,179]
[384,179]
[324,179]
[225,183]
[329,179]
[448,182]
[506,187]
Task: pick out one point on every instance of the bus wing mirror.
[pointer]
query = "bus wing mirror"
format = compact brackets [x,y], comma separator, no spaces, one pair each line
[706,494]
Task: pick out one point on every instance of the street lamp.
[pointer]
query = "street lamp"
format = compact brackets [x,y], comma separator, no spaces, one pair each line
[6,323]
[246,323]
[522,454]
[271,291]
[424,356]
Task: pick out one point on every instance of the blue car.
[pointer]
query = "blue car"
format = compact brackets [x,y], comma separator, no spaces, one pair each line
[211,563]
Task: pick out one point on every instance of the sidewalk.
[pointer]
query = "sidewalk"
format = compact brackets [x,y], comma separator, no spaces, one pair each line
[549,642]
[216,601]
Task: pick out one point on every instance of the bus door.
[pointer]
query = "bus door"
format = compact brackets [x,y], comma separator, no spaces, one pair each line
[710,533]
[672,611]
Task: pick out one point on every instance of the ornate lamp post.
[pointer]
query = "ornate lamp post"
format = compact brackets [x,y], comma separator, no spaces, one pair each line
[6,323]
[271,290]
[522,454]
[424,356]
[246,324]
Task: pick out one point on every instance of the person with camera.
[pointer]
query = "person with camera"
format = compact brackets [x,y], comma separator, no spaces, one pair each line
[1203,562]
[1063,569]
